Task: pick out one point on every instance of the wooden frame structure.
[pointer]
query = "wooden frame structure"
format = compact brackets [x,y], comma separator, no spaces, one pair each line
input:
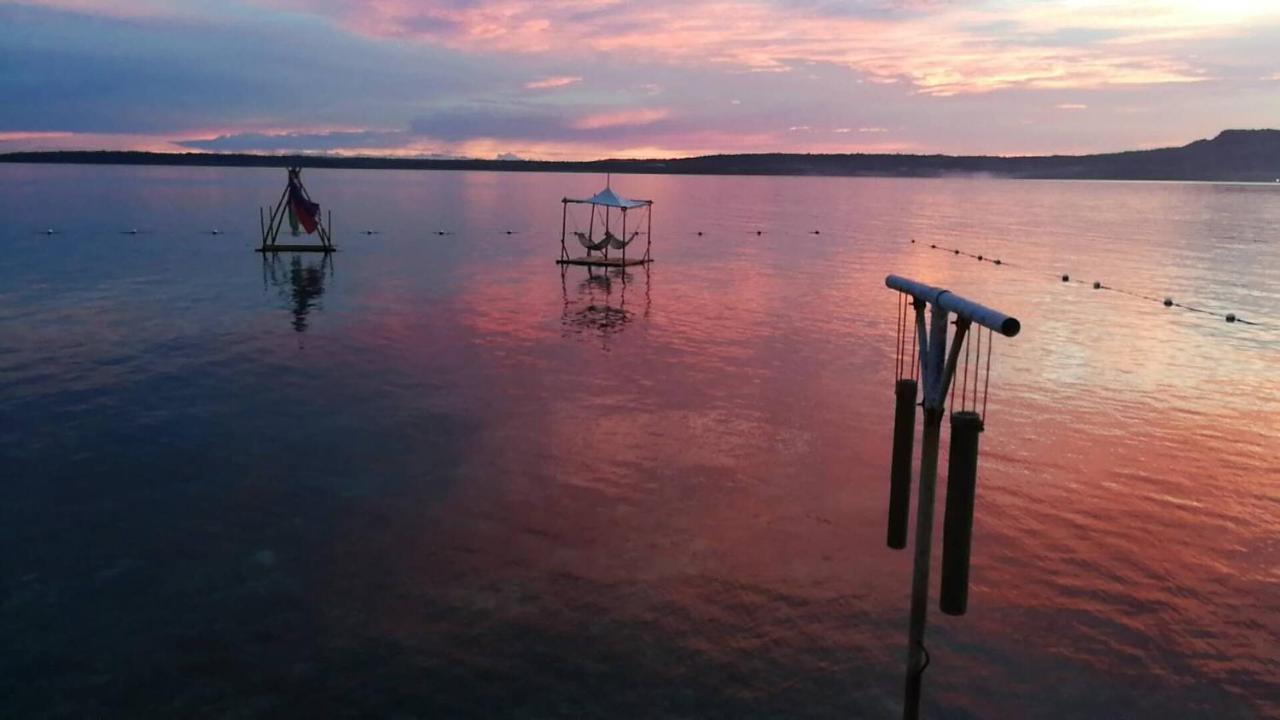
[606,204]
[270,224]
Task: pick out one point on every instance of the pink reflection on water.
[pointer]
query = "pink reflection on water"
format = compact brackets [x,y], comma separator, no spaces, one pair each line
[714,468]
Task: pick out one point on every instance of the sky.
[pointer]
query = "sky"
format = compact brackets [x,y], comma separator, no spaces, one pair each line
[587,79]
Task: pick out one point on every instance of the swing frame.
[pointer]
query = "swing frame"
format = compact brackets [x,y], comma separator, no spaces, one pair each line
[270,224]
[603,259]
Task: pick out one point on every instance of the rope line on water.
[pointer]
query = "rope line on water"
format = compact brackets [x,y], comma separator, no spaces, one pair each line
[1098,285]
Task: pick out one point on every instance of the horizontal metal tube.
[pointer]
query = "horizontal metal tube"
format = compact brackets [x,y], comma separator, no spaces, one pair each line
[949,301]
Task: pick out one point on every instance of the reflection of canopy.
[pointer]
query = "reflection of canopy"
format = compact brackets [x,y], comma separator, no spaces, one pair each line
[608,198]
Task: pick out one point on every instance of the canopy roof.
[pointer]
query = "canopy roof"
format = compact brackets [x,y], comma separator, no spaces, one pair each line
[609,198]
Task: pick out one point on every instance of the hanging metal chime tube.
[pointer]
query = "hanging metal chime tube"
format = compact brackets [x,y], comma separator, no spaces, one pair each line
[957,526]
[904,433]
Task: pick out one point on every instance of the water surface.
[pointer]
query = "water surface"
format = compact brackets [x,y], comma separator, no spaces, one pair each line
[434,475]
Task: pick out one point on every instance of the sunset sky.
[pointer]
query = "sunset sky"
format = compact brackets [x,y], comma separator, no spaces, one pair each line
[575,79]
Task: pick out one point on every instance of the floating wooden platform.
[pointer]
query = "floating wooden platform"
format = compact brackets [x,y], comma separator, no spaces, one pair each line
[296,248]
[599,261]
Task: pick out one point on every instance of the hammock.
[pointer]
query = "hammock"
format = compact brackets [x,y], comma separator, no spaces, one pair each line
[618,243]
[302,211]
[586,241]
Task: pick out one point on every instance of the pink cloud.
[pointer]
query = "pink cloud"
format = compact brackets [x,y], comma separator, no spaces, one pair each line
[41,141]
[555,81]
[32,136]
[939,49]
[620,118]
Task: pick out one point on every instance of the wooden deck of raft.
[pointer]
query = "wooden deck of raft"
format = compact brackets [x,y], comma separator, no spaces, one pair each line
[297,248]
[601,261]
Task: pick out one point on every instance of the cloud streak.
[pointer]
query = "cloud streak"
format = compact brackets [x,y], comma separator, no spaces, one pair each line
[593,78]
[553,82]
[941,49]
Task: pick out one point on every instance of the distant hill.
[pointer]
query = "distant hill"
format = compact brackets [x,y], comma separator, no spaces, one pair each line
[1234,155]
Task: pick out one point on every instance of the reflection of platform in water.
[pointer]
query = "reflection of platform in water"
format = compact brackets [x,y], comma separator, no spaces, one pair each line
[302,286]
[599,305]
[602,261]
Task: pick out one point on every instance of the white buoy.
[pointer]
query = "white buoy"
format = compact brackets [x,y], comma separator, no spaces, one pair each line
[215,231]
[49,231]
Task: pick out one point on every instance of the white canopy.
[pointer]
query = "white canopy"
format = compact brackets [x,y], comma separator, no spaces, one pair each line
[608,198]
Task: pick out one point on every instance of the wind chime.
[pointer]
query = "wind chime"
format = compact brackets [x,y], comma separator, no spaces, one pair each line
[930,361]
[302,212]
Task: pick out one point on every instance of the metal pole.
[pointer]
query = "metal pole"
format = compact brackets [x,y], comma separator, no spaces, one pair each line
[591,229]
[931,370]
[966,309]
[648,233]
[920,572]
[564,219]
[937,368]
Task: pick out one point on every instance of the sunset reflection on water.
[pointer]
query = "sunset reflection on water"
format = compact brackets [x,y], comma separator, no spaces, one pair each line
[483,486]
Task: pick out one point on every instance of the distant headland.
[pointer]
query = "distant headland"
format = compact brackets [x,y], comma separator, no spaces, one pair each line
[1232,156]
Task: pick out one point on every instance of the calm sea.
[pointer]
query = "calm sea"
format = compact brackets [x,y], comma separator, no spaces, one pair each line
[436,476]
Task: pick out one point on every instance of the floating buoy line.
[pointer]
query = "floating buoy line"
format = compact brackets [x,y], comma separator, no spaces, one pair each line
[1166,301]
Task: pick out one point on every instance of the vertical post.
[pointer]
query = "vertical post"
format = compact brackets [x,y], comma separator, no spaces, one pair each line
[273,222]
[564,221]
[648,234]
[262,225]
[275,231]
[591,229]
[624,240]
[920,571]
[937,366]
[931,371]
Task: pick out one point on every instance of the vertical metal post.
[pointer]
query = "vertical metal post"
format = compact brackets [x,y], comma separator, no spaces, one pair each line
[564,221]
[648,233]
[931,370]
[591,229]
[937,366]
[920,571]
